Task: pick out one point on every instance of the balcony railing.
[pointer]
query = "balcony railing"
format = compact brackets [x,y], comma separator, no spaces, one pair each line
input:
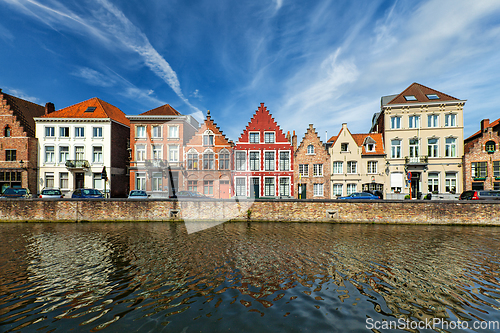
[160,164]
[77,164]
[417,159]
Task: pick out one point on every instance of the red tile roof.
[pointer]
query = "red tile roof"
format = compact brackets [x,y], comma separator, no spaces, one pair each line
[24,112]
[420,92]
[360,139]
[493,124]
[164,110]
[102,110]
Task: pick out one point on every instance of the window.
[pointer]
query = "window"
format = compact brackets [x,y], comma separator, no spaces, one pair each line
[450,182]
[478,186]
[318,190]
[414,122]
[317,170]
[479,169]
[395,148]
[97,154]
[49,154]
[63,180]
[433,120]
[7,131]
[192,161]
[269,137]
[50,132]
[450,120]
[304,170]
[410,98]
[224,160]
[79,153]
[208,161]
[337,190]
[254,137]
[432,147]
[496,168]
[140,152]
[79,132]
[241,187]
[432,96]
[338,167]
[140,132]
[173,153]
[433,182]
[49,179]
[496,186]
[351,188]
[157,181]
[64,132]
[10,155]
[414,147]
[90,109]
[254,161]
[208,187]
[450,148]
[395,122]
[97,181]
[240,161]
[370,147]
[310,149]
[489,146]
[156,131]
[371,167]
[63,154]
[351,166]
[284,186]
[344,147]
[269,161]
[193,186]
[284,161]
[208,140]
[173,132]
[269,187]
[157,152]
[140,181]
[396,182]
[97,132]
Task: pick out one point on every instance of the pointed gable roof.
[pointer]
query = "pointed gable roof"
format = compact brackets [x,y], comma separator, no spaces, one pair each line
[209,124]
[263,121]
[421,94]
[311,131]
[360,140]
[101,109]
[164,110]
[24,112]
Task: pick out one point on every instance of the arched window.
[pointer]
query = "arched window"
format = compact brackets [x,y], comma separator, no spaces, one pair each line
[490,146]
[192,159]
[7,131]
[310,149]
[208,138]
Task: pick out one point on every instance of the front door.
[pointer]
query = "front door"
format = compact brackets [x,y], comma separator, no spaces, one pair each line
[415,184]
[224,189]
[255,188]
[302,191]
[79,180]
[174,182]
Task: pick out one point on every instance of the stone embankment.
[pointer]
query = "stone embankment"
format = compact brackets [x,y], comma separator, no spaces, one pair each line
[386,211]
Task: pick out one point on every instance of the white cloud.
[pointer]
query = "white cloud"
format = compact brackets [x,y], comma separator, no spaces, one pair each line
[21,94]
[93,77]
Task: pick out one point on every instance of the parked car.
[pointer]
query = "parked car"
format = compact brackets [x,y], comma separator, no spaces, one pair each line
[87,193]
[188,194]
[16,193]
[377,193]
[360,196]
[51,193]
[138,194]
[480,195]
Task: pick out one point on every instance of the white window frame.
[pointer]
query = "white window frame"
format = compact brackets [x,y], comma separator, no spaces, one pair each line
[448,182]
[336,168]
[433,148]
[240,153]
[310,150]
[414,121]
[351,188]
[50,157]
[157,182]
[237,187]
[318,170]
[350,169]
[286,166]
[287,189]
[433,120]
[318,189]
[371,167]
[156,132]
[173,131]
[173,153]
[140,181]
[266,194]
[268,152]
[433,182]
[271,135]
[140,131]
[335,189]
[97,132]
[140,153]
[79,131]
[157,152]
[396,122]
[65,154]
[304,170]
[50,132]
[250,161]
[250,136]
[95,154]
[450,149]
[450,120]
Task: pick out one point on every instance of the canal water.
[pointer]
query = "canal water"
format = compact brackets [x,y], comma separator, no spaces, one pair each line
[248,277]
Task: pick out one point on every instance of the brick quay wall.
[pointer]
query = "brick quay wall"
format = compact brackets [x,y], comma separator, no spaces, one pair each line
[386,211]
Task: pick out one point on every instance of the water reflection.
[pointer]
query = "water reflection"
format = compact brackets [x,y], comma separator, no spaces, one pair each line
[243,276]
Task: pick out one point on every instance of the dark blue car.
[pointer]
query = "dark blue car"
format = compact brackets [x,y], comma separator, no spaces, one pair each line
[87,193]
[360,196]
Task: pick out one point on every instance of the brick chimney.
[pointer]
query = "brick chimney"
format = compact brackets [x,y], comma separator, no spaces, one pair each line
[49,108]
[294,141]
[485,123]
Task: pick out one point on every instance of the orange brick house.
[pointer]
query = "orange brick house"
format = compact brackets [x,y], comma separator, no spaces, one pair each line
[481,159]
[18,145]
[157,139]
[208,157]
[312,167]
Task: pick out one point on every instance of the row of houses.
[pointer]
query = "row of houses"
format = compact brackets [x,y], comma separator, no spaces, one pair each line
[415,146]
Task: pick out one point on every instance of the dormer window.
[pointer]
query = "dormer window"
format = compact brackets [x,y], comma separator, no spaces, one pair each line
[344,147]
[370,147]
[208,139]
[310,150]
[490,146]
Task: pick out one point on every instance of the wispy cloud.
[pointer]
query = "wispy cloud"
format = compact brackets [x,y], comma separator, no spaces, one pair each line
[94,78]
[6,34]
[21,94]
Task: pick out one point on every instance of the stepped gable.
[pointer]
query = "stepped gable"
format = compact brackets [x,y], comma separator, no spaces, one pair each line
[471,140]
[311,130]
[24,111]
[209,124]
[102,110]
[164,110]
[420,92]
[263,121]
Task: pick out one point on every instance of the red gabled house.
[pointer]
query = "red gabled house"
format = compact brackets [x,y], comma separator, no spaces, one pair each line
[263,159]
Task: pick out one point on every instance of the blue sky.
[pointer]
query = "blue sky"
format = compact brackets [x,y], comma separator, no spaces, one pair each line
[321,62]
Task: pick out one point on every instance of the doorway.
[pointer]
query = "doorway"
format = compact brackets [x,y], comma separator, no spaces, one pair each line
[255,188]
[415,185]
[79,180]
[224,189]
[302,191]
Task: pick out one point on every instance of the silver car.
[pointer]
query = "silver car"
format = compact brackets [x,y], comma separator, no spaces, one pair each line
[51,193]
